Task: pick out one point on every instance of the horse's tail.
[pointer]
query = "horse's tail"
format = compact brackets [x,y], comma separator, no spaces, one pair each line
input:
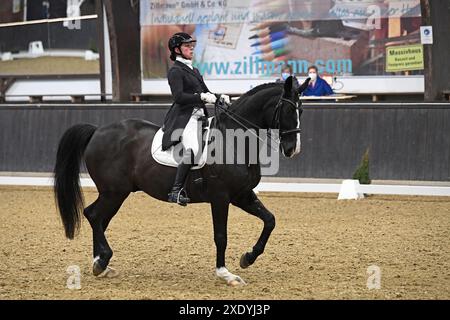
[68,196]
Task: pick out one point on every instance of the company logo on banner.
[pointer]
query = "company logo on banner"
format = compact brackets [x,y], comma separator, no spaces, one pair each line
[253,39]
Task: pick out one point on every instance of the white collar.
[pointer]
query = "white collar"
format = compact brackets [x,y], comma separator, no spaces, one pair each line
[185,61]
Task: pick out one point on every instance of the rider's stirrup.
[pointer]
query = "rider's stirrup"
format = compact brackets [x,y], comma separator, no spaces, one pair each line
[180,197]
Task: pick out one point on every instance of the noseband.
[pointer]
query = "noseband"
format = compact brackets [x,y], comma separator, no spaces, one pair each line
[276,121]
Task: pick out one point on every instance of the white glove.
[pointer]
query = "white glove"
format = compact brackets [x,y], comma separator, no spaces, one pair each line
[225,98]
[208,97]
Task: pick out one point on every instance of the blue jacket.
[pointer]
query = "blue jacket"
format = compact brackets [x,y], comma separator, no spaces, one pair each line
[321,88]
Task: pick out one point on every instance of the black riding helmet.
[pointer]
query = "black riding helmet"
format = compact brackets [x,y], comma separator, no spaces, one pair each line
[176,41]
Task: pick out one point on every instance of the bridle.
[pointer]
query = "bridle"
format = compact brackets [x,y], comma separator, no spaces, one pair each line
[276,120]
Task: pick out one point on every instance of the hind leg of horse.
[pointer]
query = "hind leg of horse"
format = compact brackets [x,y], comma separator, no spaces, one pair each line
[220,220]
[99,214]
[251,204]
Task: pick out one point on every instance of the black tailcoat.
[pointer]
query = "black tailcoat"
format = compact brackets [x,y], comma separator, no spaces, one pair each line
[186,85]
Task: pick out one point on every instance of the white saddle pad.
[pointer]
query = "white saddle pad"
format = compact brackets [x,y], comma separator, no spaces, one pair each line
[167,158]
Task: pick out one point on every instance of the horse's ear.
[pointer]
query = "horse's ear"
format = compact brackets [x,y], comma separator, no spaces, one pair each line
[304,85]
[288,85]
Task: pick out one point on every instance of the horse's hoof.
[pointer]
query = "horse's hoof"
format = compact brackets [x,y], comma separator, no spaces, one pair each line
[109,273]
[97,269]
[244,261]
[236,282]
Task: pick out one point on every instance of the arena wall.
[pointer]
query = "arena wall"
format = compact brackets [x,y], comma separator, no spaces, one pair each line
[405,141]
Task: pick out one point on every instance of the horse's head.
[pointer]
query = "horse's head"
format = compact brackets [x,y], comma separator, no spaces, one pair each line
[287,118]
[281,111]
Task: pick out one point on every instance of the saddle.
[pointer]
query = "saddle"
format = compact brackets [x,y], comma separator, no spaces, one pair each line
[169,157]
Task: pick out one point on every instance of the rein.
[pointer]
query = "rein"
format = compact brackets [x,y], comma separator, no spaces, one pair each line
[232,115]
[276,120]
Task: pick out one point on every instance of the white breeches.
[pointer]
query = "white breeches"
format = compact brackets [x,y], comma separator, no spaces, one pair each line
[192,133]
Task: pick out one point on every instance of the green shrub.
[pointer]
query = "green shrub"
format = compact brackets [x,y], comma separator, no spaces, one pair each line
[93,46]
[362,173]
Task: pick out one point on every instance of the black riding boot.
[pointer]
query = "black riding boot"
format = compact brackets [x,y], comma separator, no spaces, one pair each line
[177,194]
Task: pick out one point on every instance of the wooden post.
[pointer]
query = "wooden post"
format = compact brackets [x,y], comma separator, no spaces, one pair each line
[124,38]
[437,68]
[101,47]
[5,84]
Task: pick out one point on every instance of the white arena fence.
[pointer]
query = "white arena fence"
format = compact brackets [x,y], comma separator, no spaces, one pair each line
[348,189]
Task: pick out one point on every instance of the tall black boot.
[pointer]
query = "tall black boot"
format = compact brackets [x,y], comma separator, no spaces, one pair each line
[177,194]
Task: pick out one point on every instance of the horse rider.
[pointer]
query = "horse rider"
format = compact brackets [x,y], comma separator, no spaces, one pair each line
[190,94]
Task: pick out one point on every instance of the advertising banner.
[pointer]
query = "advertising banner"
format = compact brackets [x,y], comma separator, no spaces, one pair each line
[254,39]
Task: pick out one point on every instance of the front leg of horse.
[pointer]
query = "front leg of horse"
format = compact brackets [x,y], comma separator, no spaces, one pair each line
[251,204]
[220,220]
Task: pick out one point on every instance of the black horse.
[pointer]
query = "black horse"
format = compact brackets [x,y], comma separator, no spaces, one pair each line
[119,161]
